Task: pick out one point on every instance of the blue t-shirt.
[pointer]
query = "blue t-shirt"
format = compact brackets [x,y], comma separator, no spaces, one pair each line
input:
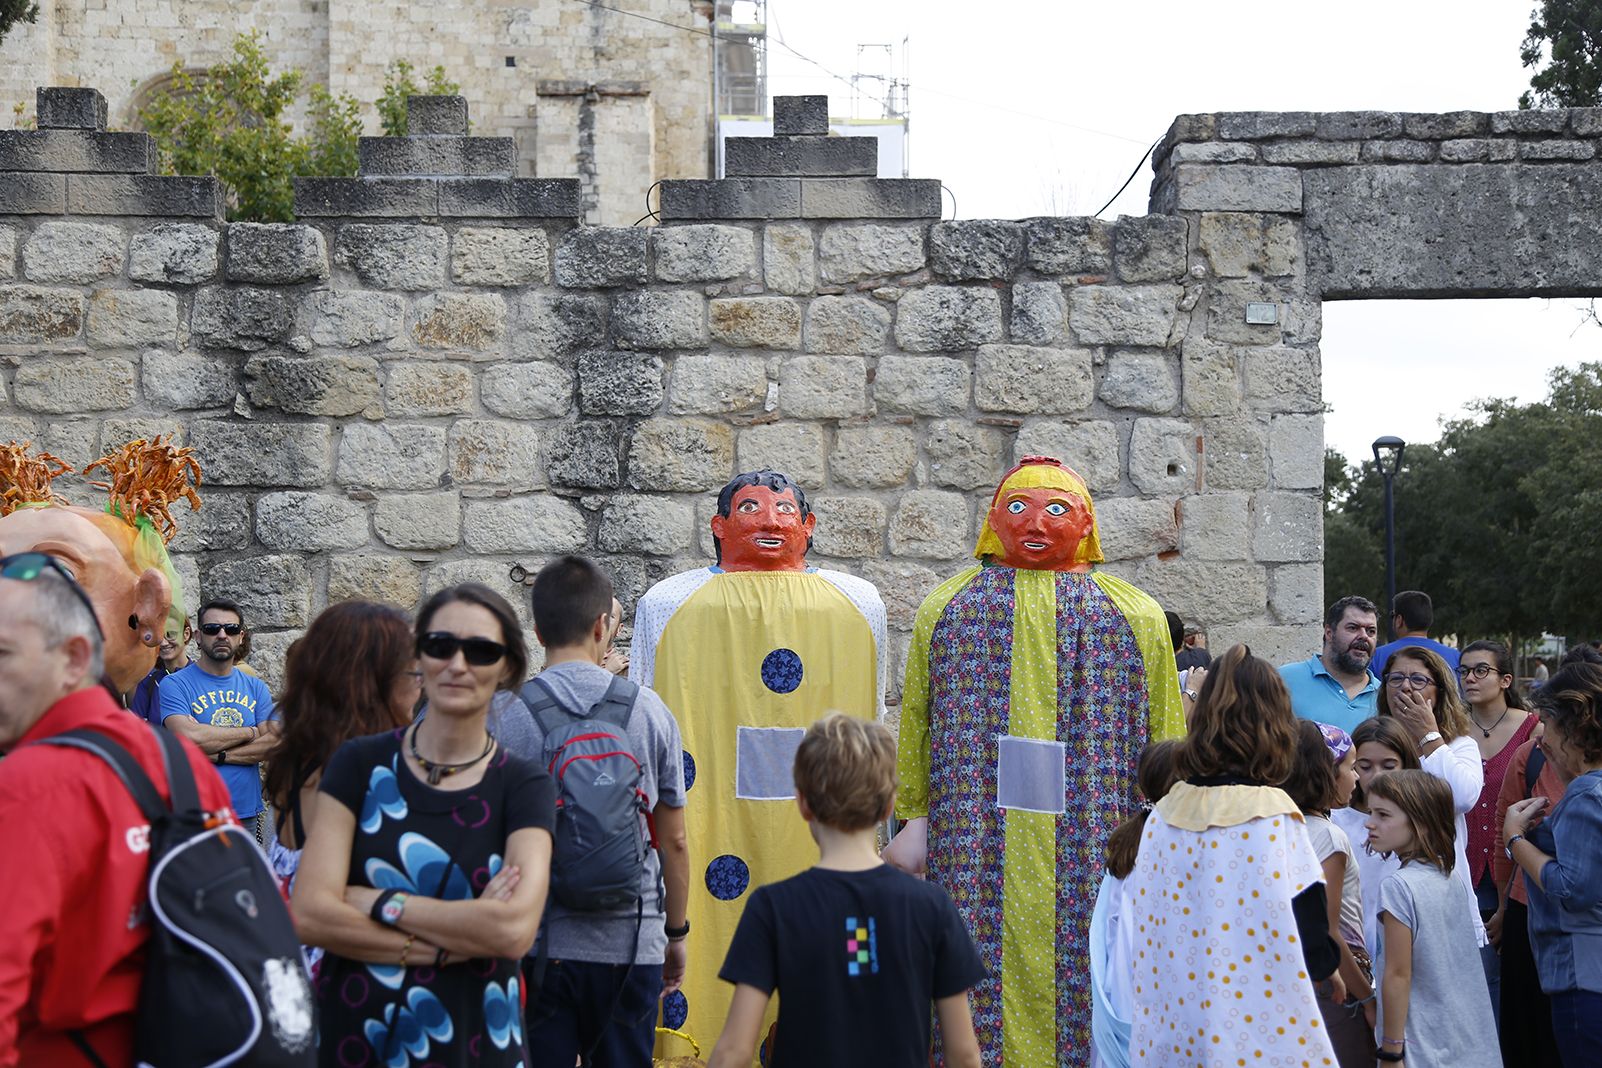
[232,700]
[1383,654]
[1315,695]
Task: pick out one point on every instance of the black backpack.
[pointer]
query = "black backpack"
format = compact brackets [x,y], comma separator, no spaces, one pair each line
[224,981]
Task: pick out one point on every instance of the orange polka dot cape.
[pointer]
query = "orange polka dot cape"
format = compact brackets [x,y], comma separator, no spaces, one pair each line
[1218,971]
[1069,675]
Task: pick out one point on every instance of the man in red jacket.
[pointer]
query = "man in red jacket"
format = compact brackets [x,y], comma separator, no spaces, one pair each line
[75,847]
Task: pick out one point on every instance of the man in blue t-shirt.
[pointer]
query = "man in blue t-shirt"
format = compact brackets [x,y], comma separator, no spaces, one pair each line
[226,712]
[1412,613]
[1334,685]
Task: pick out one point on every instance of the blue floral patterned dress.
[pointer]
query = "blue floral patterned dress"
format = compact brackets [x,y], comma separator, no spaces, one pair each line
[439,843]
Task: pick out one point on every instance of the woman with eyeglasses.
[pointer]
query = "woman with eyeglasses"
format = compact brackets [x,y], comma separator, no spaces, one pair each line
[425,872]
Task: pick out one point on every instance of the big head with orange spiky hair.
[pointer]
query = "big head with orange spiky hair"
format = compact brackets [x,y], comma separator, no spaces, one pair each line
[1041,519]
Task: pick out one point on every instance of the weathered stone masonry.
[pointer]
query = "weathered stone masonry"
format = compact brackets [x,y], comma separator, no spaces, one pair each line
[439,374]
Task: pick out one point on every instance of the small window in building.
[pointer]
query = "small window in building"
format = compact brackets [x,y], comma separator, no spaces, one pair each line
[511,61]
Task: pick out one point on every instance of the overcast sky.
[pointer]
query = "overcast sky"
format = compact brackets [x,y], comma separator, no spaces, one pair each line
[1044,107]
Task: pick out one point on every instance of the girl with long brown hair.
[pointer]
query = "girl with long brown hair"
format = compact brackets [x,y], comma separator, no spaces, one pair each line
[1378,746]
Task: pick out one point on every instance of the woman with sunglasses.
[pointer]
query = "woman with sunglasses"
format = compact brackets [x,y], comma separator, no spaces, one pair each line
[425,872]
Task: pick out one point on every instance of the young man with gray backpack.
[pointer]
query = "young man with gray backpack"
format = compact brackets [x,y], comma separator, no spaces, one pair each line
[613,941]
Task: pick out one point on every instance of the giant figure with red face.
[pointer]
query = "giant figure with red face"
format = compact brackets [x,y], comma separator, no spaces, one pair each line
[748,653]
[1032,685]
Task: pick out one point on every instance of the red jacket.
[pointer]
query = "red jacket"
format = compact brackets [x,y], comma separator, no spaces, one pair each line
[75,849]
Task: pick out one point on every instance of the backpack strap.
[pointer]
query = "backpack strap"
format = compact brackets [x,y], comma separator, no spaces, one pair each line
[543,705]
[180,776]
[616,706]
[122,762]
[1533,769]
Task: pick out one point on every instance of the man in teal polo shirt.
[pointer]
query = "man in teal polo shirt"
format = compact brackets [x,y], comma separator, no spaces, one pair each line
[1335,687]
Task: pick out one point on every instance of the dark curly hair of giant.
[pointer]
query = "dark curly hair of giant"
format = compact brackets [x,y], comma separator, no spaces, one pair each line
[1571,704]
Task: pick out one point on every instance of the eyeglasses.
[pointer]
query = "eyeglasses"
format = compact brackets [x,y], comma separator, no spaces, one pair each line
[213,629]
[442,645]
[1478,671]
[1395,679]
[25,567]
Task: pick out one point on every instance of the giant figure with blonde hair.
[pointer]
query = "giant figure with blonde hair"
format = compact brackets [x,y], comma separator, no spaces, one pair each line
[1033,684]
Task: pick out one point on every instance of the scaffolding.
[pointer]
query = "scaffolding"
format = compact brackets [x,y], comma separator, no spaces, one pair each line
[741,44]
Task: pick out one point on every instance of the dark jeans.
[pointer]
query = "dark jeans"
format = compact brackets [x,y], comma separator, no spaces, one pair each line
[1526,1032]
[574,1009]
[1577,1025]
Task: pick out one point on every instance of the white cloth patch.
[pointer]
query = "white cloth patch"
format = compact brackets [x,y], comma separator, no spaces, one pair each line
[1031,775]
[764,766]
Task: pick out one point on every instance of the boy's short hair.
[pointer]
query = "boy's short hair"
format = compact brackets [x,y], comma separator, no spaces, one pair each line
[845,770]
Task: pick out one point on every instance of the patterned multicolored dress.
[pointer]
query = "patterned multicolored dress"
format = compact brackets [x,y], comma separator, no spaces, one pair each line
[439,843]
[1029,697]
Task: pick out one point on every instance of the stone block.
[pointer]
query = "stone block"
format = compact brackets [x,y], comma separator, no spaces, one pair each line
[73,440]
[870,198]
[1214,152]
[437,155]
[1135,527]
[1533,121]
[296,521]
[1144,381]
[619,383]
[1296,451]
[1164,457]
[509,198]
[729,198]
[656,319]
[33,194]
[680,455]
[1022,379]
[793,448]
[275,253]
[222,525]
[1585,122]
[1281,379]
[707,253]
[527,390]
[1451,124]
[800,115]
[394,255]
[419,521]
[922,385]
[1262,125]
[1039,313]
[500,256]
[182,381]
[931,525]
[552,326]
[350,318]
[1358,125]
[30,314]
[1398,152]
[976,250]
[274,590]
[1090,448]
[1218,593]
[263,454]
[1233,187]
[850,527]
[656,526]
[846,326]
[73,252]
[62,151]
[1124,315]
[1236,453]
[489,452]
[756,322]
[942,318]
[313,385]
[1296,593]
[902,584]
[436,114]
[1211,377]
[370,577]
[8,252]
[788,258]
[1215,526]
[391,456]
[1226,313]
[174,254]
[373,198]
[1237,244]
[59,107]
[412,389]
[145,194]
[585,454]
[1150,248]
[1310,153]
[123,318]
[245,319]
[492,573]
[709,385]
[802,157]
[472,322]
[1471,150]
[963,455]
[540,524]
[1557,149]
[823,387]
[73,384]
[1289,527]
[847,253]
[593,257]
[116,431]
[1069,246]
[873,456]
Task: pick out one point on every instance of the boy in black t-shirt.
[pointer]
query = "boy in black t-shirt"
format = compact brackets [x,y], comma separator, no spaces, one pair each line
[856,950]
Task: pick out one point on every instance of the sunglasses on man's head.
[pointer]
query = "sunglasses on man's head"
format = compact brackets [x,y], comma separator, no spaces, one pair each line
[442,645]
[25,567]
[213,629]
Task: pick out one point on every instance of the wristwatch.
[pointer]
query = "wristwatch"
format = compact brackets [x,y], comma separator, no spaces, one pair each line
[390,905]
[1508,849]
[221,757]
[1189,693]
[1432,736]
[675,934]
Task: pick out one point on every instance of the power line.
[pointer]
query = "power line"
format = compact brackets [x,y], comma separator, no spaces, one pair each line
[1131,177]
[647,18]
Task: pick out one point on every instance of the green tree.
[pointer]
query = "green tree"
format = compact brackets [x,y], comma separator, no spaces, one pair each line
[1567,35]
[15,11]
[398,85]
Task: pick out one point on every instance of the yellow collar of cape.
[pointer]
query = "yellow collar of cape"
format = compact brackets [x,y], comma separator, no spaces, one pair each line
[1196,808]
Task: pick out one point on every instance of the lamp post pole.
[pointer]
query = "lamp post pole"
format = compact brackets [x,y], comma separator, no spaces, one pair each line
[1393,445]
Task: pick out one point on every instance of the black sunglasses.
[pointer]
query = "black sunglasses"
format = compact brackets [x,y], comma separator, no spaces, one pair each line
[213,629]
[25,567]
[442,645]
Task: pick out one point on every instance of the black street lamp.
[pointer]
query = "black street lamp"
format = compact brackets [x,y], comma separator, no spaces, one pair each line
[1393,445]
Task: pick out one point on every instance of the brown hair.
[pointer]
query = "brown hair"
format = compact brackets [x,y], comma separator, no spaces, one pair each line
[338,680]
[1242,725]
[1155,775]
[845,770]
[1571,701]
[1393,736]
[1312,781]
[1426,801]
[497,606]
[1451,719]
